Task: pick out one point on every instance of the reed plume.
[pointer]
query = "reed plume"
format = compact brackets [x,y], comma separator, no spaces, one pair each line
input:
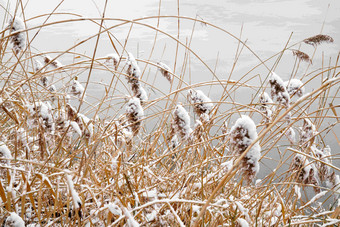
[318,39]
[278,90]
[302,56]
[135,114]
[114,58]
[202,104]
[241,135]
[306,171]
[18,40]
[295,86]
[181,122]
[165,70]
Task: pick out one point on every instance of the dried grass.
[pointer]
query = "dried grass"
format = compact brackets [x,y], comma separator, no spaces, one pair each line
[97,161]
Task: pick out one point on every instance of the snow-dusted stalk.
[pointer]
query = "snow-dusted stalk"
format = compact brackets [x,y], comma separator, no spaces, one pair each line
[75,197]
[241,135]
[131,222]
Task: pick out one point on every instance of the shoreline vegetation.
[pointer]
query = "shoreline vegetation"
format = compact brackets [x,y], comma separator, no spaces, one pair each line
[141,155]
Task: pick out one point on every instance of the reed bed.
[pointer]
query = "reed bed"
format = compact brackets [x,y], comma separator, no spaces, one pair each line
[139,154]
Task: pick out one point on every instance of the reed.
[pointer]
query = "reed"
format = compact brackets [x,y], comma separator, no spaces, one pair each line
[216,152]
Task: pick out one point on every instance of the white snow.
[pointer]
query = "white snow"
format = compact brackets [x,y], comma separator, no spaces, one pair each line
[131,222]
[6,153]
[142,95]
[308,131]
[76,127]
[316,197]
[226,166]
[89,126]
[37,65]
[297,191]
[76,199]
[114,209]
[242,222]
[113,57]
[14,220]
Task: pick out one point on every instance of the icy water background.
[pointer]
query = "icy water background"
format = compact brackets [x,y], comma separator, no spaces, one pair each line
[265,25]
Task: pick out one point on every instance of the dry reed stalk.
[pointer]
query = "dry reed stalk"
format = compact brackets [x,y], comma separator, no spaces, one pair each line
[153,194]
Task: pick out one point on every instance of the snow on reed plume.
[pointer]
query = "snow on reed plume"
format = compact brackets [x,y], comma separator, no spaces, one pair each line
[266,106]
[307,134]
[84,123]
[291,135]
[114,58]
[278,90]
[41,111]
[294,86]
[134,112]
[77,89]
[241,135]
[134,73]
[325,173]
[202,104]
[165,70]
[181,123]
[55,63]
[18,40]
[123,130]
[37,65]
[139,92]
[306,172]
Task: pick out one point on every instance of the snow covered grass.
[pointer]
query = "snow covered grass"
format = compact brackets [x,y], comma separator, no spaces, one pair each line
[147,147]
